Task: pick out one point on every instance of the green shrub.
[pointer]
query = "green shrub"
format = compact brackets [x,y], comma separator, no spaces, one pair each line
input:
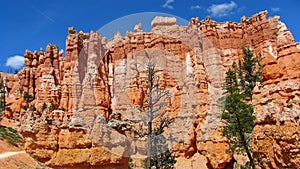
[28,97]
[44,106]
[24,107]
[11,136]
[32,108]
[52,106]
[62,109]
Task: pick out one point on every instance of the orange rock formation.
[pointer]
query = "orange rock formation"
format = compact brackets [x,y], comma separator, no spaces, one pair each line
[100,82]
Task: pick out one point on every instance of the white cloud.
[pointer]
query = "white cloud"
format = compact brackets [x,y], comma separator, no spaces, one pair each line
[275,9]
[15,61]
[220,10]
[168,4]
[196,7]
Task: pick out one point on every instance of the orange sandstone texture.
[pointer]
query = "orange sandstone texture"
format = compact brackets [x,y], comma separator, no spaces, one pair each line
[89,82]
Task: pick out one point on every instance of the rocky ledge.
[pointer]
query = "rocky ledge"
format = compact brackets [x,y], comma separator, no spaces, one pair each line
[85,92]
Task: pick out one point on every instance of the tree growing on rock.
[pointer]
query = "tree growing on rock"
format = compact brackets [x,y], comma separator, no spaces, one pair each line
[27,97]
[52,106]
[154,104]
[44,106]
[238,113]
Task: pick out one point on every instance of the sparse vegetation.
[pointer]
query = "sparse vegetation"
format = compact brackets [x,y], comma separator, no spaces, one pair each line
[10,135]
[238,113]
[158,153]
[28,97]
[24,107]
[163,158]
[32,108]
[130,163]
[21,90]
[62,109]
[44,106]
[52,106]
[16,71]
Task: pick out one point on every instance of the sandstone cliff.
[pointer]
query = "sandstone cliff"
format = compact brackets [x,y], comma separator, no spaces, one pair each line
[98,87]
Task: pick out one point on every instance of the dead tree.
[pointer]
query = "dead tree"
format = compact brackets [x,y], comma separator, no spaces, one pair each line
[154,104]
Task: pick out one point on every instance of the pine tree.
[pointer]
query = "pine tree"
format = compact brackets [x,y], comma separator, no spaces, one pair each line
[161,155]
[238,113]
[251,69]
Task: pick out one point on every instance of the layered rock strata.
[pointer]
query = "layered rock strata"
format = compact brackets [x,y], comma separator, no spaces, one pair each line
[99,87]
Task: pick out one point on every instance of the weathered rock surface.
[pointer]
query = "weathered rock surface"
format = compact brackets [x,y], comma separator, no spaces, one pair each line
[100,85]
[60,141]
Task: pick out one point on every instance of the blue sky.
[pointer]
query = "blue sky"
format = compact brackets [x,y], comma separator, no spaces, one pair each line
[31,24]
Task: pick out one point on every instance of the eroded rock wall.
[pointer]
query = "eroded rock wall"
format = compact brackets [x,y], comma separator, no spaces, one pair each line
[98,78]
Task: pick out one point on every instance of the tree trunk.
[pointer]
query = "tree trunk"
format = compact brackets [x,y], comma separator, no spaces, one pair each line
[150,114]
[149,144]
[245,144]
